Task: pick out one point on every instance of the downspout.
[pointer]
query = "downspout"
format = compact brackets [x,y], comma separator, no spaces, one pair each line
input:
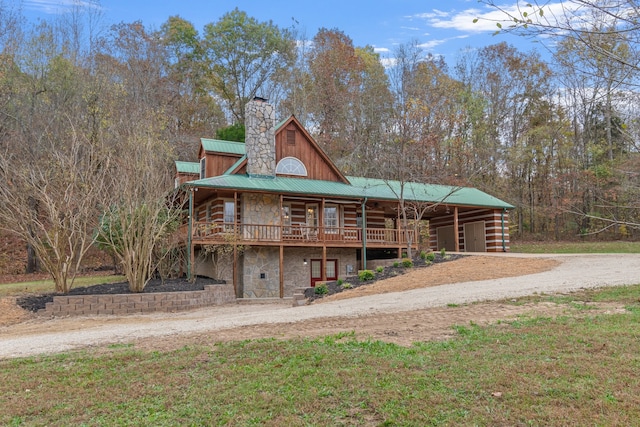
[190,234]
[504,247]
[364,233]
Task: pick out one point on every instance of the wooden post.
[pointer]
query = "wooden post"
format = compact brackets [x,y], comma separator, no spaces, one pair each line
[235,214]
[190,258]
[236,234]
[456,234]
[281,271]
[281,232]
[399,230]
[324,262]
[364,234]
[324,242]
[234,273]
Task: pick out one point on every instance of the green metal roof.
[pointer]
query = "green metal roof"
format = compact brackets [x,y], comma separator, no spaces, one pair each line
[219,146]
[391,190]
[360,188]
[188,167]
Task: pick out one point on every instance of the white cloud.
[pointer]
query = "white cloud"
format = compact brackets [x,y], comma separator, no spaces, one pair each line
[58,6]
[486,19]
[410,28]
[381,50]
[433,43]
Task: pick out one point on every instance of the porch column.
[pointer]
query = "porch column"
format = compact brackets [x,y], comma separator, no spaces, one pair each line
[281,271]
[364,233]
[456,234]
[281,232]
[324,242]
[400,232]
[190,256]
[235,215]
[234,273]
[324,262]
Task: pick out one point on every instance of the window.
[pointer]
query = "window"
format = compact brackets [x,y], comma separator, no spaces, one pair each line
[312,215]
[331,219]
[203,168]
[330,269]
[286,218]
[229,215]
[291,166]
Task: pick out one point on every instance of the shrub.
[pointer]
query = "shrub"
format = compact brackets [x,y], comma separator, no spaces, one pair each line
[365,275]
[339,282]
[407,263]
[431,256]
[379,269]
[321,289]
[347,285]
[396,264]
[423,255]
[443,252]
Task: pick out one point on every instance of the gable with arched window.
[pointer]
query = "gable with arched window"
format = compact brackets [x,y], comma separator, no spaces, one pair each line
[291,166]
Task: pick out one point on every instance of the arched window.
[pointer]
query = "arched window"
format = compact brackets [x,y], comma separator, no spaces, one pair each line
[291,166]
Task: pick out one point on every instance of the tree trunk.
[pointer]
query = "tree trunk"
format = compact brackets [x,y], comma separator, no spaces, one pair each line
[32,260]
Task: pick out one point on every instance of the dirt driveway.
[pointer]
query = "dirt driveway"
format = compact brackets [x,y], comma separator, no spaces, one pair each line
[421,305]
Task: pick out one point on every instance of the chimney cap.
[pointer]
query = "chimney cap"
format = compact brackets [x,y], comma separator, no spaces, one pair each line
[259,99]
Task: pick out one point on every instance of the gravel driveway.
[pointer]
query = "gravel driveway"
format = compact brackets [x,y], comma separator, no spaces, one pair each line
[574,272]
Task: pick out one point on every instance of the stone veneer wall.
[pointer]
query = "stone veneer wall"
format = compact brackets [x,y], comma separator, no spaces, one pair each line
[297,275]
[261,273]
[260,139]
[82,305]
[265,261]
[260,209]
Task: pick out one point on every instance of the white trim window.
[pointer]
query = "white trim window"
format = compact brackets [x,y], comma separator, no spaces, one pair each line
[229,217]
[331,218]
[291,166]
[203,168]
[286,218]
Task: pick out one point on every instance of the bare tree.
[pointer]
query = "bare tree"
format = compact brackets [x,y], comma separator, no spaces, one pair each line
[143,215]
[584,20]
[53,201]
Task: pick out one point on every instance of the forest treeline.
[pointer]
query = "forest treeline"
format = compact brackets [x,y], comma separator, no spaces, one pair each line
[84,103]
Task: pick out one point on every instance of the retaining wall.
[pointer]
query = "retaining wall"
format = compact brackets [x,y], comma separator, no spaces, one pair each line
[82,305]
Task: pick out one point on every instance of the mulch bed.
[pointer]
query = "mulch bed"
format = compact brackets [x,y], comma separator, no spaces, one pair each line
[37,302]
[354,282]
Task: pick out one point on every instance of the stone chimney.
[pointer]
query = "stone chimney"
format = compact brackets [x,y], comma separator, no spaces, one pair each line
[260,139]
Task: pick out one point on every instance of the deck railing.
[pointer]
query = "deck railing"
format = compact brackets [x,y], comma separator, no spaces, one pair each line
[247,233]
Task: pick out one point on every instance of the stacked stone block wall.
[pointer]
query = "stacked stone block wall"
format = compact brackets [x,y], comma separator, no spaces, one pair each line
[83,305]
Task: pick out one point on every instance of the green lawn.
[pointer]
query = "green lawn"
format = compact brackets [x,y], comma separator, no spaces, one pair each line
[575,247]
[578,369]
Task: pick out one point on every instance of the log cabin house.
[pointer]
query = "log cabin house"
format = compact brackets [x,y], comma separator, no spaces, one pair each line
[274,213]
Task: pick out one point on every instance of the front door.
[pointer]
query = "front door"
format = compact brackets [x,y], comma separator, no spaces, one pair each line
[331,269]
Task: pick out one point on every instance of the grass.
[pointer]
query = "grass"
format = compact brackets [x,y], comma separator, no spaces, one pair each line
[41,286]
[575,247]
[578,369]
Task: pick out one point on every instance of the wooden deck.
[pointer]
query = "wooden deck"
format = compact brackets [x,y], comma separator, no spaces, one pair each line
[298,235]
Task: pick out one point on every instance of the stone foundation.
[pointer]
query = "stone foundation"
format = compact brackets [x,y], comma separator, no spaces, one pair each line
[83,305]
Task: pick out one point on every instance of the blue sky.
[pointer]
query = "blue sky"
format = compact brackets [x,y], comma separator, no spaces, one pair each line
[441,27]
